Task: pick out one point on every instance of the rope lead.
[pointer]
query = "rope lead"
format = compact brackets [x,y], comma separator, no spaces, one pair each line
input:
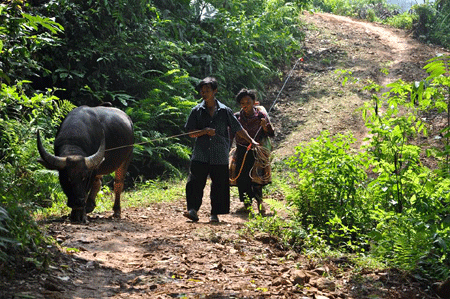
[184,134]
[262,156]
[153,140]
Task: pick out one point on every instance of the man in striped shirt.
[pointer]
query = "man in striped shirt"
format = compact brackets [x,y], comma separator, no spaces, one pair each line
[210,123]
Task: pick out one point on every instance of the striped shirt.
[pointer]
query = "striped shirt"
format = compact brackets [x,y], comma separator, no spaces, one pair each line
[212,149]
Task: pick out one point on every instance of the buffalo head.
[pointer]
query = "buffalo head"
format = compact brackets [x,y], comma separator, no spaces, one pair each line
[76,175]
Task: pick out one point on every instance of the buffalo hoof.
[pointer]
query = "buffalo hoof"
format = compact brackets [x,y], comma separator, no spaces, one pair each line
[116,215]
[78,215]
[90,208]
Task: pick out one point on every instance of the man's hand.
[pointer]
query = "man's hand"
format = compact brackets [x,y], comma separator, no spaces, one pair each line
[243,134]
[263,122]
[210,131]
[205,131]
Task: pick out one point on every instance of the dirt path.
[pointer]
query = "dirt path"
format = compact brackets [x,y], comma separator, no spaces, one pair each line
[156,253]
[314,99]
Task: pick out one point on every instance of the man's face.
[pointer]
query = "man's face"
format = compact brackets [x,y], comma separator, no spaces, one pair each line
[207,93]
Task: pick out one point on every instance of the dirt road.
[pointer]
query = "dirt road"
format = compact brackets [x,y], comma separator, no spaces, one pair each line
[156,253]
[314,94]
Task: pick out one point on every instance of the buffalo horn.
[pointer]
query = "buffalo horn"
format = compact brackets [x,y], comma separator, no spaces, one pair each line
[50,161]
[94,160]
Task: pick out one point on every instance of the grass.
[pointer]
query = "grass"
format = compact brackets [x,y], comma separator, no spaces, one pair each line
[155,191]
[143,195]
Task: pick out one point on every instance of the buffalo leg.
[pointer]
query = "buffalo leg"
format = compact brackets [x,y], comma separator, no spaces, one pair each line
[118,185]
[78,215]
[96,185]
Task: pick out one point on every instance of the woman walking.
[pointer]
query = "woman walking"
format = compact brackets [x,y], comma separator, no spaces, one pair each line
[255,121]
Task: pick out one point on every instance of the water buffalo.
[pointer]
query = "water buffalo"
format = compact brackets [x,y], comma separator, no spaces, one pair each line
[91,142]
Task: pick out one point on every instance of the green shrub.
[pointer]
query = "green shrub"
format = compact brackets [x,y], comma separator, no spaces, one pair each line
[426,16]
[403,21]
[372,10]
[371,16]
[432,22]
[340,7]
[26,187]
[23,36]
[381,199]
[328,181]
[5,238]
[411,201]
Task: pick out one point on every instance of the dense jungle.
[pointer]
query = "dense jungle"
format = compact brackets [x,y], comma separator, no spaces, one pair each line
[357,92]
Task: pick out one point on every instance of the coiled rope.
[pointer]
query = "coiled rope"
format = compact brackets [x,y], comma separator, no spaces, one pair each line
[260,172]
[262,155]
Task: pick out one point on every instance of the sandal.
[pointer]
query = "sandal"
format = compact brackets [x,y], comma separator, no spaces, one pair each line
[191,214]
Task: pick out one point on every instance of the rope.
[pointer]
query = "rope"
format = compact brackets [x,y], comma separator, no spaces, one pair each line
[262,156]
[153,140]
[242,165]
[282,87]
[262,162]
[285,81]
[184,134]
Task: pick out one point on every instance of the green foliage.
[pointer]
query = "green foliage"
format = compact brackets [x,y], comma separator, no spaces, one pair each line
[404,20]
[426,17]
[20,116]
[433,94]
[329,180]
[372,10]
[159,116]
[257,38]
[146,56]
[412,200]
[119,50]
[433,23]
[334,6]
[23,35]
[25,186]
[382,200]
[417,238]
[5,240]
[370,15]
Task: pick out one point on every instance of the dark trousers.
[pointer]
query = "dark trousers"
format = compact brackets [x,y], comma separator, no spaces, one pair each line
[220,187]
[247,189]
